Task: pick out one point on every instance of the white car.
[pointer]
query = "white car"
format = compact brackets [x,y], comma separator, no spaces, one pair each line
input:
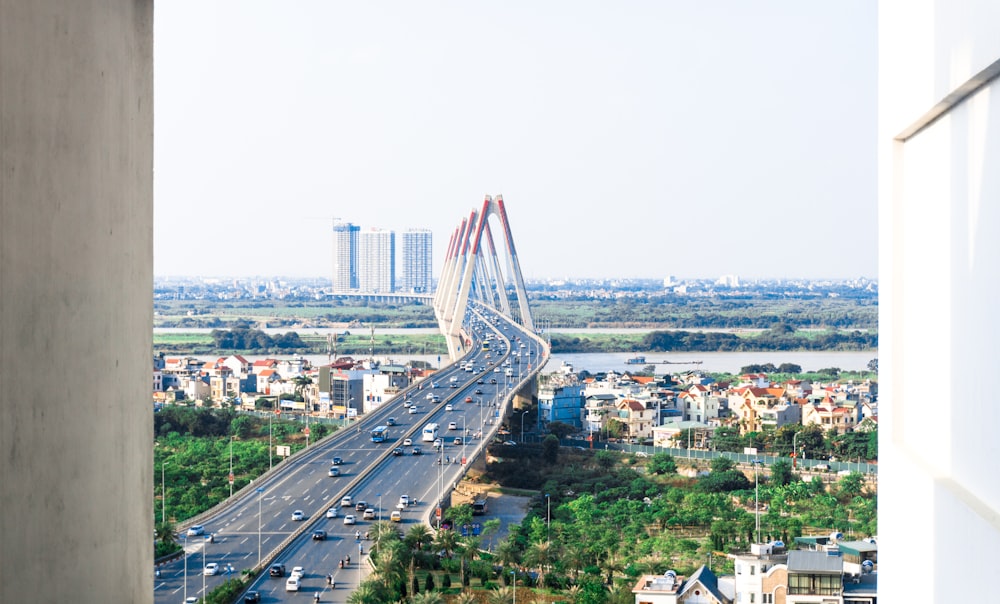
[298,572]
[412,410]
[292,584]
[449,407]
[404,500]
[407,442]
[298,515]
[331,513]
[350,519]
[453,425]
[369,514]
[346,502]
[196,530]
[211,569]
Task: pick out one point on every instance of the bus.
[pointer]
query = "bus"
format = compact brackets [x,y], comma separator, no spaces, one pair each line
[486,345]
[430,433]
[380,433]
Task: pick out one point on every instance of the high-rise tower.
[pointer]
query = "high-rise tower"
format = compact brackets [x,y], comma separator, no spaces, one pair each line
[376,261]
[416,260]
[345,257]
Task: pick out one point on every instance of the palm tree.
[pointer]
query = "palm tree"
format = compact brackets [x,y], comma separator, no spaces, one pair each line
[389,564]
[427,597]
[574,558]
[446,540]
[507,552]
[366,593]
[418,537]
[383,532]
[165,532]
[539,555]
[500,595]
[467,550]
[466,597]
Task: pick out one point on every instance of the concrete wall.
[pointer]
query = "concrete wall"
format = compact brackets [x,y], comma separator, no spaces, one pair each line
[939,214]
[76,142]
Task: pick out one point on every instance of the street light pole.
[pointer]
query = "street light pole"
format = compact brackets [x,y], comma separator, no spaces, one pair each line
[548,519]
[163,490]
[513,574]
[756,491]
[525,412]
[230,466]
[260,495]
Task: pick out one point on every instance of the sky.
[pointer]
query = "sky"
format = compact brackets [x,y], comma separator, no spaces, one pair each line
[628,139]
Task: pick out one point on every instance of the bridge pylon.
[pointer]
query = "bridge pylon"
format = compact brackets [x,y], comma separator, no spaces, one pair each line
[472,268]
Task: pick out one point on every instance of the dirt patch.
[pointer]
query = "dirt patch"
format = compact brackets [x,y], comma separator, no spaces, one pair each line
[509,509]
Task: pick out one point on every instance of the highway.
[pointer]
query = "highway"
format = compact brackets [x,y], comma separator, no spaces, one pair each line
[255,525]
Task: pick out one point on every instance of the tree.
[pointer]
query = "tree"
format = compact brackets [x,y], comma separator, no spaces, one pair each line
[722,464]
[418,537]
[560,429]
[873,365]
[550,449]
[662,463]
[727,438]
[605,459]
[166,532]
[781,472]
[429,596]
[500,595]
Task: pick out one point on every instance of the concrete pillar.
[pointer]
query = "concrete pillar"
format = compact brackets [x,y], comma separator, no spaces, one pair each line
[76,216]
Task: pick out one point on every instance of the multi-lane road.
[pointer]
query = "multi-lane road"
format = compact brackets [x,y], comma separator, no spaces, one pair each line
[254,526]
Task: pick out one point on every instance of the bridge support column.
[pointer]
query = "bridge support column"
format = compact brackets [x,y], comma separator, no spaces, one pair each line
[76,276]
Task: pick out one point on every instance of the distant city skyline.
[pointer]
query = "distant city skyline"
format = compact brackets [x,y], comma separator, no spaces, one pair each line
[634,140]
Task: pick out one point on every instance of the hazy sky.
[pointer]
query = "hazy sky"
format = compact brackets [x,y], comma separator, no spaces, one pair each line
[628,139]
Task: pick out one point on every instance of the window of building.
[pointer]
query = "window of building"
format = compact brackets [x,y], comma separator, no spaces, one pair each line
[768,599]
[753,570]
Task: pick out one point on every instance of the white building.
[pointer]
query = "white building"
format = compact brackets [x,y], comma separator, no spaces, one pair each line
[416,262]
[376,261]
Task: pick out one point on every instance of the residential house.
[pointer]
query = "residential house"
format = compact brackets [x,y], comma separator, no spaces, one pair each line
[702,587]
[560,404]
[639,419]
[238,365]
[829,415]
[699,404]
[761,574]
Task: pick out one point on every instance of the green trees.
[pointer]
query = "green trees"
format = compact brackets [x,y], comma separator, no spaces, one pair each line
[550,449]
[662,463]
[781,472]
